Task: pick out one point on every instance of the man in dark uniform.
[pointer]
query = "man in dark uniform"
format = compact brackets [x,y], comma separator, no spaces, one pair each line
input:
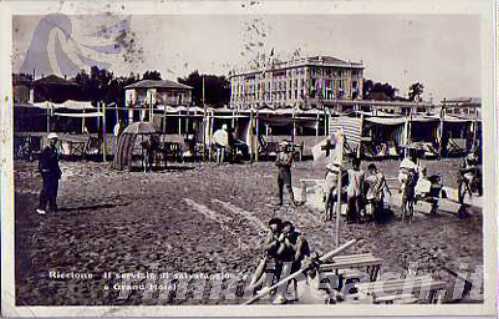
[51,173]
[283,162]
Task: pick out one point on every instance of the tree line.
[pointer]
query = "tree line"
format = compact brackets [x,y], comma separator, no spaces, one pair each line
[104,85]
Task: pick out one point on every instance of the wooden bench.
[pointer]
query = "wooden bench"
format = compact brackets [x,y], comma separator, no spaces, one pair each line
[367,261]
[390,291]
[398,299]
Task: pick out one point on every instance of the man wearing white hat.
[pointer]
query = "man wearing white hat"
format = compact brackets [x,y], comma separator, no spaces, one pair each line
[283,162]
[51,173]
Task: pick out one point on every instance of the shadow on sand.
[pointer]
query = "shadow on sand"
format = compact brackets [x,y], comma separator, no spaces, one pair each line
[91,207]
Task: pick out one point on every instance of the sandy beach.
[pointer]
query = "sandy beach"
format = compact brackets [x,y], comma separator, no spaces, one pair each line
[198,218]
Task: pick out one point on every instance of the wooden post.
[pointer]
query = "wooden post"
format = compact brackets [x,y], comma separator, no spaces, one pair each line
[48,117]
[252,142]
[116,113]
[83,122]
[326,123]
[104,143]
[361,133]
[440,132]
[210,135]
[163,122]
[205,123]
[98,117]
[294,126]
[187,121]
[340,141]
[179,123]
[257,131]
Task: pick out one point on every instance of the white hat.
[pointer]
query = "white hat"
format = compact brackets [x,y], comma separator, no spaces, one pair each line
[283,143]
[224,127]
[52,135]
[335,167]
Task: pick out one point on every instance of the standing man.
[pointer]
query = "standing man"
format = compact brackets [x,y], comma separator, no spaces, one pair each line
[51,173]
[221,142]
[376,191]
[330,189]
[355,191]
[283,162]
[117,130]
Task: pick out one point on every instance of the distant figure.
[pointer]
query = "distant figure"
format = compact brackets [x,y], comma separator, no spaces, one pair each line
[330,189]
[377,188]
[355,191]
[221,142]
[117,130]
[51,173]
[150,147]
[471,176]
[283,162]
[408,176]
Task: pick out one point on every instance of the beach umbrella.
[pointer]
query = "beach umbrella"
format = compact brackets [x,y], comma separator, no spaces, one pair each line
[140,128]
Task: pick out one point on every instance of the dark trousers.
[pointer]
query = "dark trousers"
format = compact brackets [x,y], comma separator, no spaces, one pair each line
[49,193]
[354,208]
[284,179]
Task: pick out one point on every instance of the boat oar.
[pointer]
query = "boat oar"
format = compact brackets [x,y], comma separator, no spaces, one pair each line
[267,290]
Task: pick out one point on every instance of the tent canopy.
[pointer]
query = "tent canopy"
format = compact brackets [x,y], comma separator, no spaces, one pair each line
[80,115]
[69,105]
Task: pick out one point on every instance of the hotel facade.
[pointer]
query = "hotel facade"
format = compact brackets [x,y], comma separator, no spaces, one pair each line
[306,83]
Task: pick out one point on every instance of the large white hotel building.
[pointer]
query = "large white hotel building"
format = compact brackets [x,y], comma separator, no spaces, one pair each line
[308,82]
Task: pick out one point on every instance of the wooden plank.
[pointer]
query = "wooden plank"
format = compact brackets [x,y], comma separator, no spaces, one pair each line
[394,297]
[387,287]
[352,264]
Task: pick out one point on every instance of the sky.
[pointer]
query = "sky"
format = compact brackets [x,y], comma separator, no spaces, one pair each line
[440,51]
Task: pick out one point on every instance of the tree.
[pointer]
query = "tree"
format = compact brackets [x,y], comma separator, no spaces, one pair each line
[378,91]
[151,75]
[217,88]
[415,91]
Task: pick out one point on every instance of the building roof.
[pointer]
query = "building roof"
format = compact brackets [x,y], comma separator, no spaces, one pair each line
[318,60]
[327,60]
[161,84]
[54,80]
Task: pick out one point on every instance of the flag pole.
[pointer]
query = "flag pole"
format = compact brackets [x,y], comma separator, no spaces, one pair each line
[340,140]
[205,121]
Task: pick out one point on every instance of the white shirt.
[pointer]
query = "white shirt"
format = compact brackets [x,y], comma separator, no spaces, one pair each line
[116,129]
[221,137]
[355,180]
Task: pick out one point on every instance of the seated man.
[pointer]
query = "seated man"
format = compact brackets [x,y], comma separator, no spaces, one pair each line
[293,250]
[269,268]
